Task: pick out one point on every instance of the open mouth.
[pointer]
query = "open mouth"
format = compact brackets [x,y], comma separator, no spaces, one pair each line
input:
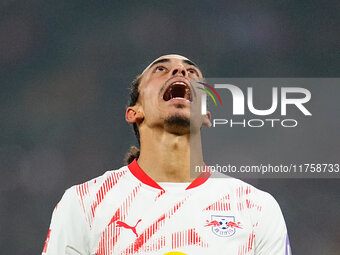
[177,89]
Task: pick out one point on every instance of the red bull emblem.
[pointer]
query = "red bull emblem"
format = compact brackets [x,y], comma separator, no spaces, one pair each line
[223,226]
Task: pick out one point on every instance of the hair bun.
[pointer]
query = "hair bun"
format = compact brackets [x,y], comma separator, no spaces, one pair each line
[132,154]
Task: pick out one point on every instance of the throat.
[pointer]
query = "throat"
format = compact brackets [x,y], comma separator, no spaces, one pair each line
[167,160]
[174,174]
[167,168]
[167,157]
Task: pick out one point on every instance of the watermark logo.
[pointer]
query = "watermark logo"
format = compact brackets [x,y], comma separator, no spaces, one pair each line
[204,96]
[243,103]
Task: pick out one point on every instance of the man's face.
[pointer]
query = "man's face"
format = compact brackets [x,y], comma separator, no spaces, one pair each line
[166,94]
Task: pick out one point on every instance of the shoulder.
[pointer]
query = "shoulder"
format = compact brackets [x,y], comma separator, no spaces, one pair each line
[88,195]
[103,183]
[249,196]
[109,178]
[256,209]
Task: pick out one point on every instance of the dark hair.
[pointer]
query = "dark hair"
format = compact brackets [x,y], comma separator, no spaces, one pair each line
[134,95]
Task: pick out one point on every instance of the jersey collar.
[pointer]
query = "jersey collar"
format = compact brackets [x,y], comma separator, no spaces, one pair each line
[138,172]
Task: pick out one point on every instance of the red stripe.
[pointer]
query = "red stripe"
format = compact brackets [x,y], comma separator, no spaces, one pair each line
[111,233]
[144,178]
[202,178]
[153,228]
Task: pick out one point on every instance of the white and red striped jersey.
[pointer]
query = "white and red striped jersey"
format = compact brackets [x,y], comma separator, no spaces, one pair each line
[126,212]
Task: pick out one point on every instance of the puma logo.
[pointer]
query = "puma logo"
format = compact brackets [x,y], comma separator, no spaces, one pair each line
[124,225]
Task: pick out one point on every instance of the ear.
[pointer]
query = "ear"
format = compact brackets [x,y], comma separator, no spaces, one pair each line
[206,119]
[133,114]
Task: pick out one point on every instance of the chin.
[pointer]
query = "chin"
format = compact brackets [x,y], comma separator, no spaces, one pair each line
[178,124]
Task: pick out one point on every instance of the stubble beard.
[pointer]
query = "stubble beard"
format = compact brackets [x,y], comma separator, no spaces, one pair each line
[178,124]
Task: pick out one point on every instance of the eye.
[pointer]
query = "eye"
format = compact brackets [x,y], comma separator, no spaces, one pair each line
[160,69]
[192,71]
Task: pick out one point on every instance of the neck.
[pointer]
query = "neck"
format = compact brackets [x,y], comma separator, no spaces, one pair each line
[167,157]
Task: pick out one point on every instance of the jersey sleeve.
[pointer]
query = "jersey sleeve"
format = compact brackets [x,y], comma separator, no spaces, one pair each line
[271,236]
[69,231]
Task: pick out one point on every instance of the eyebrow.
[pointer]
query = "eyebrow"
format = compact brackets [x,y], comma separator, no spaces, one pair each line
[166,60]
[189,62]
[163,60]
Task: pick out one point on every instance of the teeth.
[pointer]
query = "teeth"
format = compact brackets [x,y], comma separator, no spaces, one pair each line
[179,83]
[178,89]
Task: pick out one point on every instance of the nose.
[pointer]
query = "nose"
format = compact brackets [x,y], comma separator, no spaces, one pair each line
[179,70]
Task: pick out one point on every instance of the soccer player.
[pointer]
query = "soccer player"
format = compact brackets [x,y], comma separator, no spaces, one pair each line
[153,205]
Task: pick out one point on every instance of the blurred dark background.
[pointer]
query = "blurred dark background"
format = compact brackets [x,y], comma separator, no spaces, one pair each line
[64,70]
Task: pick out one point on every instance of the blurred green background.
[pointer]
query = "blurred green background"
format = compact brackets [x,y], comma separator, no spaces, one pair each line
[65,67]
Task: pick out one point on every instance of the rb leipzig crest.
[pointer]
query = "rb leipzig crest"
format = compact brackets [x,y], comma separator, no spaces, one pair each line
[223,226]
